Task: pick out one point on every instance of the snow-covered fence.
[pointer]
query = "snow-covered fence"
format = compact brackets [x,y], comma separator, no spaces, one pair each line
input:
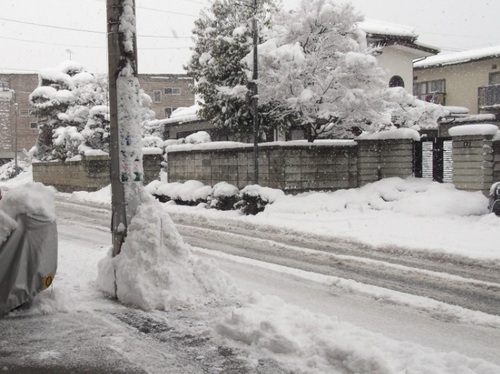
[386,158]
[294,167]
[476,157]
[91,173]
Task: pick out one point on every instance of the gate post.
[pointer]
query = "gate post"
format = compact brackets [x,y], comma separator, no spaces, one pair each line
[473,156]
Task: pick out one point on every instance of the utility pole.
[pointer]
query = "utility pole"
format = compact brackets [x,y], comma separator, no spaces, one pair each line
[16,114]
[255,97]
[126,158]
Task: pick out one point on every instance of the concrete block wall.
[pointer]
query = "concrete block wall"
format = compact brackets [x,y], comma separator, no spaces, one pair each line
[90,174]
[473,162]
[387,158]
[496,161]
[292,168]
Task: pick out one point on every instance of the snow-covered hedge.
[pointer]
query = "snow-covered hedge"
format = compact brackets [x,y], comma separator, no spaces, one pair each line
[254,198]
[223,196]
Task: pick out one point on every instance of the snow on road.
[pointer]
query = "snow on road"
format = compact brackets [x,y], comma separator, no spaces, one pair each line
[313,327]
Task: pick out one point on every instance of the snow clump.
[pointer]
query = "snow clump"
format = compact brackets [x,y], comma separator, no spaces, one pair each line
[156,268]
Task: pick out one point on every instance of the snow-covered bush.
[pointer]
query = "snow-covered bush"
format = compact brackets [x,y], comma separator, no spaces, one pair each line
[254,198]
[223,196]
[188,193]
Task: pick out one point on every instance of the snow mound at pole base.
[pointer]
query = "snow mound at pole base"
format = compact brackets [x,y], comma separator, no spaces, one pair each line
[156,268]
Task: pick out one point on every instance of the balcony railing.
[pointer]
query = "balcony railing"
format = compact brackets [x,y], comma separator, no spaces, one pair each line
[489,97]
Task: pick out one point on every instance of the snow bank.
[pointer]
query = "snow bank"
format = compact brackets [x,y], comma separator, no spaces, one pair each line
[31,198]
[156,269]
[412,196]
[304,342]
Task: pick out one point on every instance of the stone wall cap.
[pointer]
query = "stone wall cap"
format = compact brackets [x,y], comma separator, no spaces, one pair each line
[474,129]
[391,134]
[237,145]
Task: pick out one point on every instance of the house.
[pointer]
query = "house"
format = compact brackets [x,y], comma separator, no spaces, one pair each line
[399,47]
[469,79]
[19,125]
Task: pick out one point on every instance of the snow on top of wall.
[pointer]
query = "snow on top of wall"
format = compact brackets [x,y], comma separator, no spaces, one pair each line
[231,145]
[455,110]
[392,134]
[384,28]
[458,57]
[483,129]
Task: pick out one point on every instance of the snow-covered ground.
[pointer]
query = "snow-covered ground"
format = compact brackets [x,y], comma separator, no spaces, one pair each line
[416,215]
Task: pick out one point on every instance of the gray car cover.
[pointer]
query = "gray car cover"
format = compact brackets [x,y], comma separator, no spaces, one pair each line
[28,261]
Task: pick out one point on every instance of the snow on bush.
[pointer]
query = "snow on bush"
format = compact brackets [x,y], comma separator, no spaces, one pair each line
[188,193]
[223,196]
[198,138]
[254,198]
[156,269]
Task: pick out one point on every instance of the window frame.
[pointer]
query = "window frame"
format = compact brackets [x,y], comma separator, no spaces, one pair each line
[172,91]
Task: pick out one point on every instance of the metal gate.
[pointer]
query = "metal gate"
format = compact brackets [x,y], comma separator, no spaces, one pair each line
[432,159]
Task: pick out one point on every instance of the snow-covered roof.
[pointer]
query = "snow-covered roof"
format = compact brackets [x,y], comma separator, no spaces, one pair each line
[374,27]
[385,31]
[181,115]
[458,57]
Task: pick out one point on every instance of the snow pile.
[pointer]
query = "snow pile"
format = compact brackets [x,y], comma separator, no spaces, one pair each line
[31,198]
[304,342]
[156,269]
[412,196]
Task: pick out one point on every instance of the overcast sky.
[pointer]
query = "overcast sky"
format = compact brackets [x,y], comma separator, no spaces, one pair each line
[38,34]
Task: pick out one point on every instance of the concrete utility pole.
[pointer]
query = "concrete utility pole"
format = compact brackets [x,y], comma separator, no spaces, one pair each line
[255,97]
[126,162]
[16,114]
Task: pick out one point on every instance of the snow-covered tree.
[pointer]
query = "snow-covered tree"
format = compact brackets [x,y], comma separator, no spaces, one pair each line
[72,105]
[316,62]
[223,37]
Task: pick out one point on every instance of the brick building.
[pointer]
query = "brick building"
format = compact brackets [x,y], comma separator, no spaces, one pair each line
[168,92]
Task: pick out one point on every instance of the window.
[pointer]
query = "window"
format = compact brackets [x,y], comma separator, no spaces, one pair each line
[396,81]
[494,79]
[26,112]
[34,125]
[431,91]
[4,85]
[172,91]
[169,111]
[157,96]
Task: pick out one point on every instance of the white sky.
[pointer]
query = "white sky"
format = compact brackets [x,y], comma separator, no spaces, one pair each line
[164,29]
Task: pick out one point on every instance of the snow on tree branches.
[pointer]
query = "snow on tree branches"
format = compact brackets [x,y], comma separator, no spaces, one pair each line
[72,105]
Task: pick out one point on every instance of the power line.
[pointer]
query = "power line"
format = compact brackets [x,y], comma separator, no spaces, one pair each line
[90,31]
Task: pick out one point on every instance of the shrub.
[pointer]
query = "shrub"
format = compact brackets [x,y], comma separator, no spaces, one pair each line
[223,196]
[254,198]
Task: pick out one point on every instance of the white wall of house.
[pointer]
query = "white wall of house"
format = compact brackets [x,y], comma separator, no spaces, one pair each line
[398,60]
[462,80]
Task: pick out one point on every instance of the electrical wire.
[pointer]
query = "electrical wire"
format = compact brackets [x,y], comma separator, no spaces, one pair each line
[90,31]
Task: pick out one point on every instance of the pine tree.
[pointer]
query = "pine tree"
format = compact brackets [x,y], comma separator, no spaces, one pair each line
[223,37]
[72,105]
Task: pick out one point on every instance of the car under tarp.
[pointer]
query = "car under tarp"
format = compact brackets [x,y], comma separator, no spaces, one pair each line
[28,260]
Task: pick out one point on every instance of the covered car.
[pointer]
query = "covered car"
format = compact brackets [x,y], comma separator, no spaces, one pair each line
[28,244]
